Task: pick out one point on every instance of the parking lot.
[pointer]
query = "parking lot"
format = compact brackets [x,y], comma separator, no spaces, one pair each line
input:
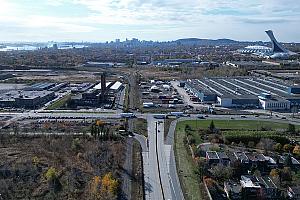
[156,94]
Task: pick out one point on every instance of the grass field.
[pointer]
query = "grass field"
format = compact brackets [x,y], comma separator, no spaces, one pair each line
[140,126]
[190,182]
[235,124]
[126,99]
[59,103]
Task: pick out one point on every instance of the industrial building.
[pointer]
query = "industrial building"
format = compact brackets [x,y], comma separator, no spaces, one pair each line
[40,86]
[102,93]
[25,99]
[245,92]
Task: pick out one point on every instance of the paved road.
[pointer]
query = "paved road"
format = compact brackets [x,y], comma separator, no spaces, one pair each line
[186,97]
[172,164]
[159,161]
[143,141]
[153,189]
[163,153]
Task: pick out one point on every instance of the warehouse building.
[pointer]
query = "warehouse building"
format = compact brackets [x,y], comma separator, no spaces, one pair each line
[40,86]
[25,99]
[246,92]
[204,94]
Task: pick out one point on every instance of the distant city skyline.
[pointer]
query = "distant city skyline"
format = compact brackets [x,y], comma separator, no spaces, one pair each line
[157,20]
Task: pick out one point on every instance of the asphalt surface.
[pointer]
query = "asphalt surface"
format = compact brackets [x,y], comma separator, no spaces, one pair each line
[161,181]
[152,180]
[175,183]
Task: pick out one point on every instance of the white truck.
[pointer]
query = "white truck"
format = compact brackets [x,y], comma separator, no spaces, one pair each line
[127,115]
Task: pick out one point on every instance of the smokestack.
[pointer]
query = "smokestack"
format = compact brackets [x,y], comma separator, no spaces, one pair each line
[103,86]
[103,82]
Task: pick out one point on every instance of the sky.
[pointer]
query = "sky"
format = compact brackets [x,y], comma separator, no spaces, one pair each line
[158,20]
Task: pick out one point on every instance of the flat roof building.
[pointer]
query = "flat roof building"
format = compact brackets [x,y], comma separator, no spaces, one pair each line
[245,92]
[25,99]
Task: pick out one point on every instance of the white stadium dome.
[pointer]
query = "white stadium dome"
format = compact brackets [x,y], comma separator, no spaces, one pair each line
[255,49]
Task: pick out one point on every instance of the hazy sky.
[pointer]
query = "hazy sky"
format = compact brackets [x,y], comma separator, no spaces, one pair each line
[101,20]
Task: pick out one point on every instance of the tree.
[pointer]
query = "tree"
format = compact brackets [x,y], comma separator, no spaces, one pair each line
[292,129]
[287,147]
[251,144]
[93,131]
[76,146]
[238,169]
[35,161]
[221,172]
[274,173]
[257,173]
[51,174]
[95,187]
[296,150]
[288,161]
[266,144]
[110,184]
[105,188]
[187,128]
[286,174]
[278,147]
[201,163]
[212,127]
[52,178]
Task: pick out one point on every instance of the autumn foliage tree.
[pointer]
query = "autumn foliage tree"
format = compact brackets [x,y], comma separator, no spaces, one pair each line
[109,184]
[105,188]
[296,150]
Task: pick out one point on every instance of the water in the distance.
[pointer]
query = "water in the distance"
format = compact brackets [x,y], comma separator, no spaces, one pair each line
[18,48]
[32,48]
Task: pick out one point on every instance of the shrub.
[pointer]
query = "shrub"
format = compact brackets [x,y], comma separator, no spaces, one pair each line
[255,136]
[296,150]
[251,144]
[51,174]
[288,147]
[76,144]
[291,129]
[278,147]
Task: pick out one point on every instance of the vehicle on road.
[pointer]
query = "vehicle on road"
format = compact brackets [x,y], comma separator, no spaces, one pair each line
[200,117]
[127,115]
[177,114]
[160,116]
[243,116]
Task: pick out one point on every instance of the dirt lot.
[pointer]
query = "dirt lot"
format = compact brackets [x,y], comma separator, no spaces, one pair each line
[76,161]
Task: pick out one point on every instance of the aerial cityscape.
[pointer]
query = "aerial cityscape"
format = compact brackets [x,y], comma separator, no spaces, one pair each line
[149,100]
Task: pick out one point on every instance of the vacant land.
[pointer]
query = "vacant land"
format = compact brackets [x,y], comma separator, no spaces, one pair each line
[235,124]
[140,126]
[59,103]
[58,167]
[255,136]
[137,191]
[190,182]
